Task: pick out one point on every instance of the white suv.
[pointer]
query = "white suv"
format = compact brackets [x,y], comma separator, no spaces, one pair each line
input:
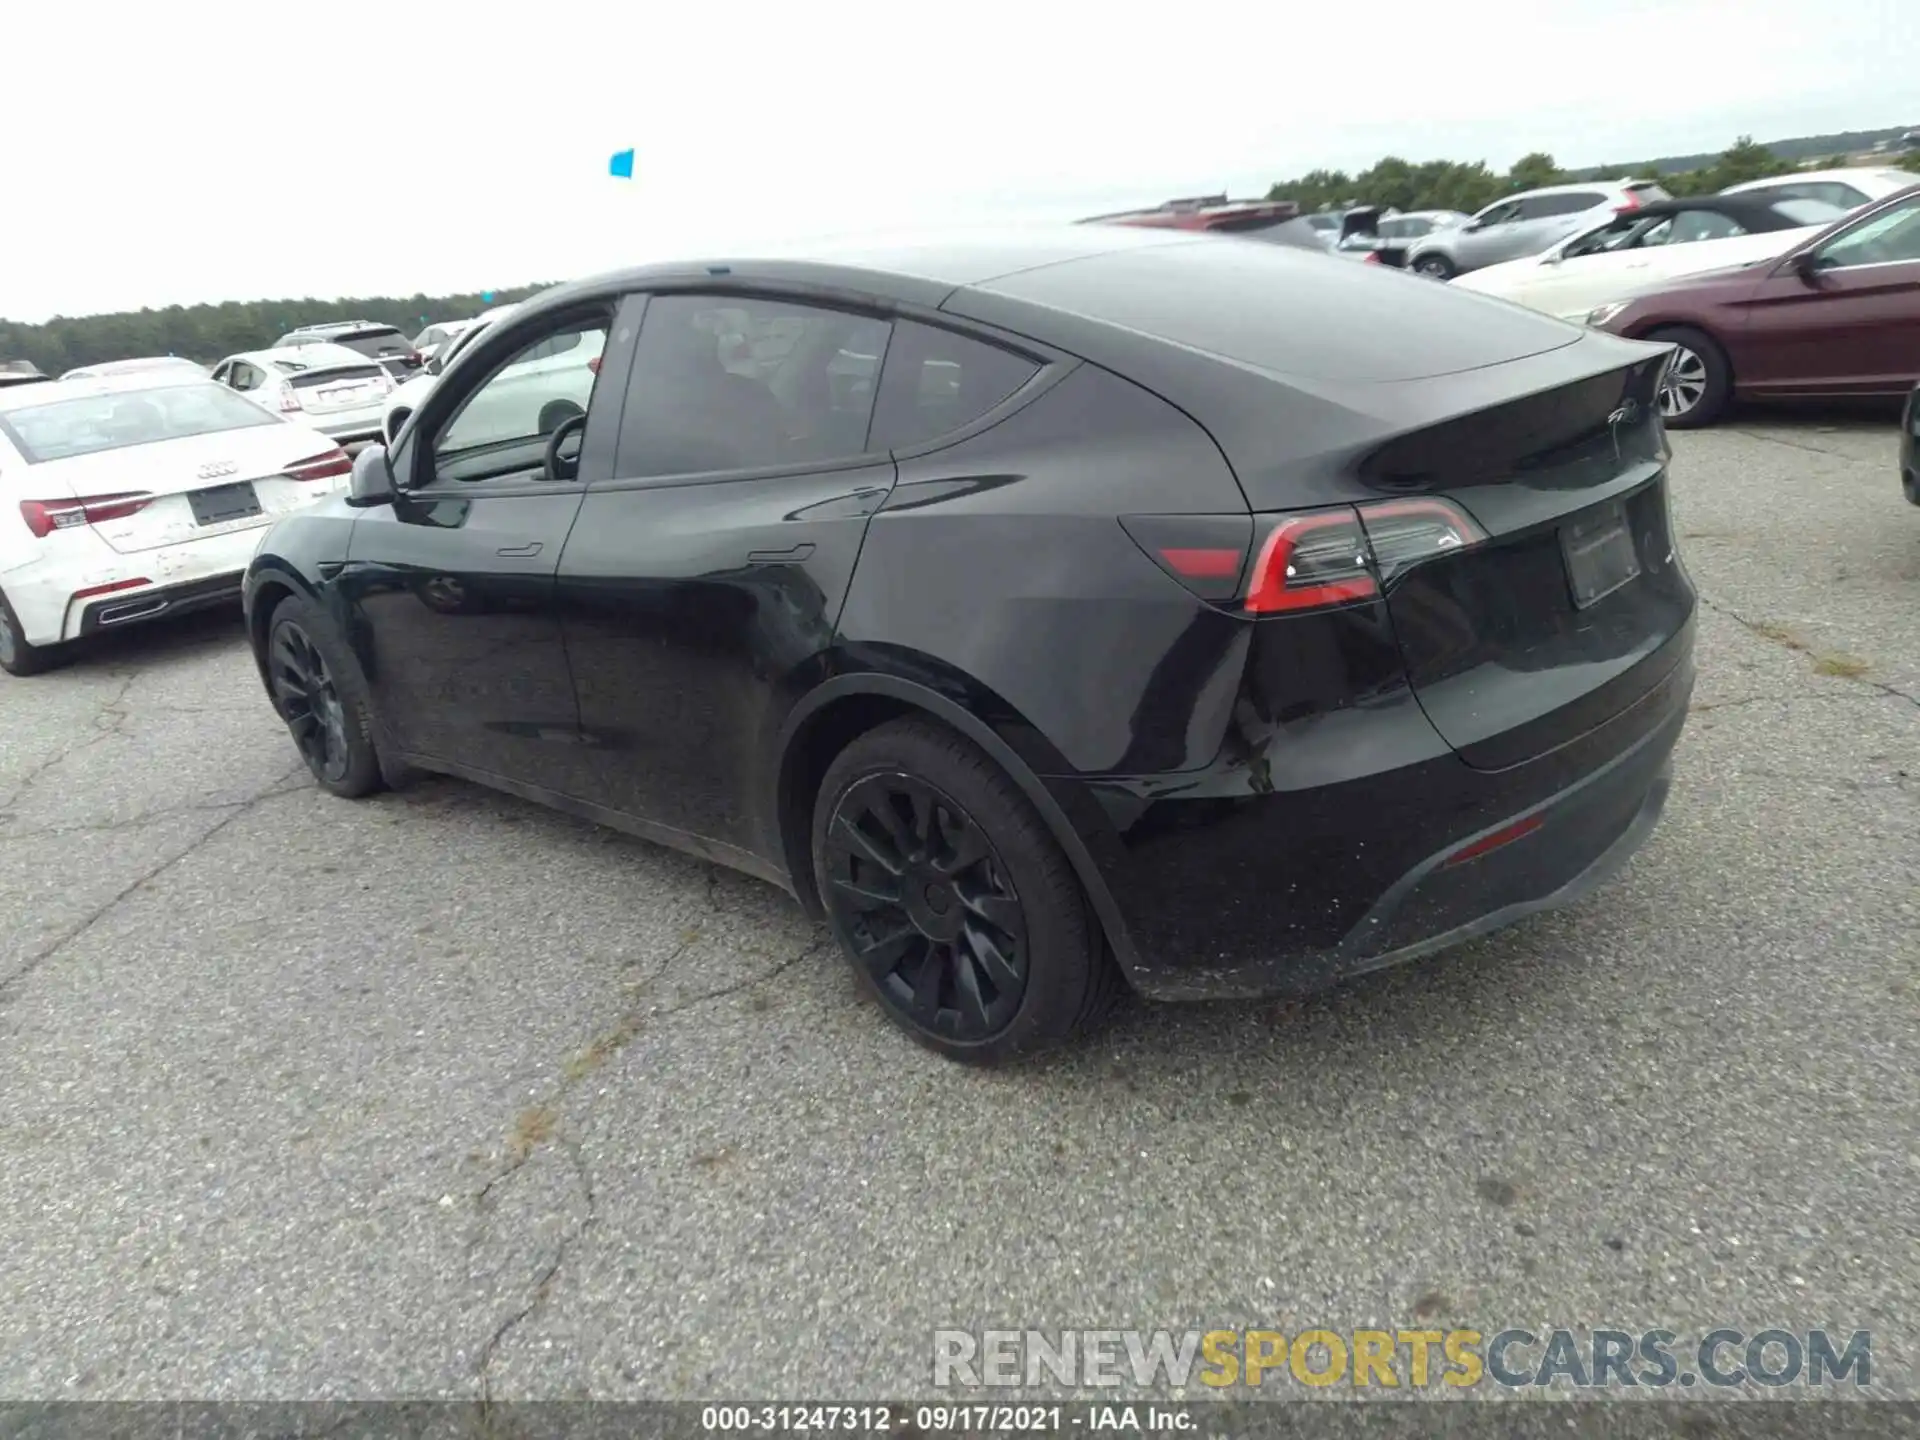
[1525,224]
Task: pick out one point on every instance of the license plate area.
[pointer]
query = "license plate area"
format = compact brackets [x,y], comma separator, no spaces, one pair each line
[222,503]
[1600,554]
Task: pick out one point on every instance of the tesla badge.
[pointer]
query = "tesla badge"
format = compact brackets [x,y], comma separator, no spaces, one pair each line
[218,468]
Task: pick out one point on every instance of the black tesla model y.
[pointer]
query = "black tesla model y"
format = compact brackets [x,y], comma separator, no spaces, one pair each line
[1045,613]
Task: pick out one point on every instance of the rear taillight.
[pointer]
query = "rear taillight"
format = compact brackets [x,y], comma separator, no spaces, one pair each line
[594,365]
[320,467]
[1372,257]
[1402,533]
[43,517]
[290,399]
[1632,204]
[1308,560]
[1336,556]
[1312,561]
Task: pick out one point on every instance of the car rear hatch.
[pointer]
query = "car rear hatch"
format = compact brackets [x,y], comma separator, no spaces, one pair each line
[340,388]
[179,491]
[393,351]
[1556,613]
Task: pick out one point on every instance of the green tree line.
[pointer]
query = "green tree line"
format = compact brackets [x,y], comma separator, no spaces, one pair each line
[209,333]
[1455,185]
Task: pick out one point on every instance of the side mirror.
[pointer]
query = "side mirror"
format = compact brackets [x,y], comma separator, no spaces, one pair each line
[435,365]
[372,481]
[1807,266]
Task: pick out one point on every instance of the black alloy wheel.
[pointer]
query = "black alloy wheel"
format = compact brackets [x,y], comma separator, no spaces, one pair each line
[319,691]
[951,899]
[309,702]
[932,914]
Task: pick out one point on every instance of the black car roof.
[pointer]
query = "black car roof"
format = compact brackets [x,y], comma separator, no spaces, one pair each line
[1757,211]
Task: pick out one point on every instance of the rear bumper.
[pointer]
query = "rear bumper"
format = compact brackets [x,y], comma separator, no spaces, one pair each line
[351,425]
[114,612]
[178,578]
[1287,892]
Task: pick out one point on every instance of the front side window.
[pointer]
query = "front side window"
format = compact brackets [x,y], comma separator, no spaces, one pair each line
[936,381]
[1499,214]
[1614,235]
[741,383]
[1888,238]
[1542,207]
[93,423]
[1691,225]
[529,395]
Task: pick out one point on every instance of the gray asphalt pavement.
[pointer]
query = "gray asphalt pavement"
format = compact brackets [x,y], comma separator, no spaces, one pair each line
[442,1094]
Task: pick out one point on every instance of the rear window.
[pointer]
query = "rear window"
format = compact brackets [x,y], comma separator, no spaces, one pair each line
[373,342]
[936,381]
[1287,313]
[62,429]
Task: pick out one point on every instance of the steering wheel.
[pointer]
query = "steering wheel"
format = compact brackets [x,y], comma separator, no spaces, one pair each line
[554,461]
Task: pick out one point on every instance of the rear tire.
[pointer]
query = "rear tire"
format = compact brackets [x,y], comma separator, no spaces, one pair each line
[1436,267]
[17,657]
[1698,382]
[320,692]
[958,912]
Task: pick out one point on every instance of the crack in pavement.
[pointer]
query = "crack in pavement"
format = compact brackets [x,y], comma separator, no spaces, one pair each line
[1801,445]
[113,709]
[9,984]
[145,817]
[1769,632]
[600,1050]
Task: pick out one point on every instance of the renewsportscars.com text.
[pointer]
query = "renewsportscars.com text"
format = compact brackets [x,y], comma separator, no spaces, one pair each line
[1396,1359]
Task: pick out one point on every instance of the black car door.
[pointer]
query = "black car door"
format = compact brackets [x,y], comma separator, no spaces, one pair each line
[452,585]
[701,585]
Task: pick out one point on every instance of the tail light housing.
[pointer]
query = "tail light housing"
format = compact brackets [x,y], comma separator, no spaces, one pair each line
[290,400]
[323,466]
[593,365]
[1306,560]
[1372,257]
[43,517]
[1632,203]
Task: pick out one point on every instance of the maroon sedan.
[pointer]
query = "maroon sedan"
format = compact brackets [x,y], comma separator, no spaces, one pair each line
[1839,315]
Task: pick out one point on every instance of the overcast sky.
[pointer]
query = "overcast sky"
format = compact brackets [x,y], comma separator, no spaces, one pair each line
[188,151]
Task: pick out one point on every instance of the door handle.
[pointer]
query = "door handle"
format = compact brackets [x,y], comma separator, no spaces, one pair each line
[777,557]
[519,552]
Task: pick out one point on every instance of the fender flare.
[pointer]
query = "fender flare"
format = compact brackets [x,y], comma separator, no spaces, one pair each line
[950,713]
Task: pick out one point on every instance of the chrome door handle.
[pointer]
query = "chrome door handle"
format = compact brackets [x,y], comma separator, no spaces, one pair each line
[519,552]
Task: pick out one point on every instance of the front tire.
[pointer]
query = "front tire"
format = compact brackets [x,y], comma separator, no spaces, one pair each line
[1436,267]
[17,656]
[321,694]
[1698,380]
[958,911]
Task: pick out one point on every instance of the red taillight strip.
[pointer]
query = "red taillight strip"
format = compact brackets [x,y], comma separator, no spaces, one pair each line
[320,467]
[43,517]
[110,587]
[1198,564]
[1505,835]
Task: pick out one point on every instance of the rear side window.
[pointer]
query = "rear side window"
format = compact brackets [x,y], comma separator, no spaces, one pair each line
[1539,207]
[734,382]
[936,381]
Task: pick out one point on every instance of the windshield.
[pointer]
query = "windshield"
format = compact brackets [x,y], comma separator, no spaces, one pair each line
[1808,212]
[89,424]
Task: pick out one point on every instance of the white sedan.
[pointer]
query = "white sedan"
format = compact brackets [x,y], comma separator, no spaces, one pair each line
[137,496]
[337,391]
[531,396]
[1657,242]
